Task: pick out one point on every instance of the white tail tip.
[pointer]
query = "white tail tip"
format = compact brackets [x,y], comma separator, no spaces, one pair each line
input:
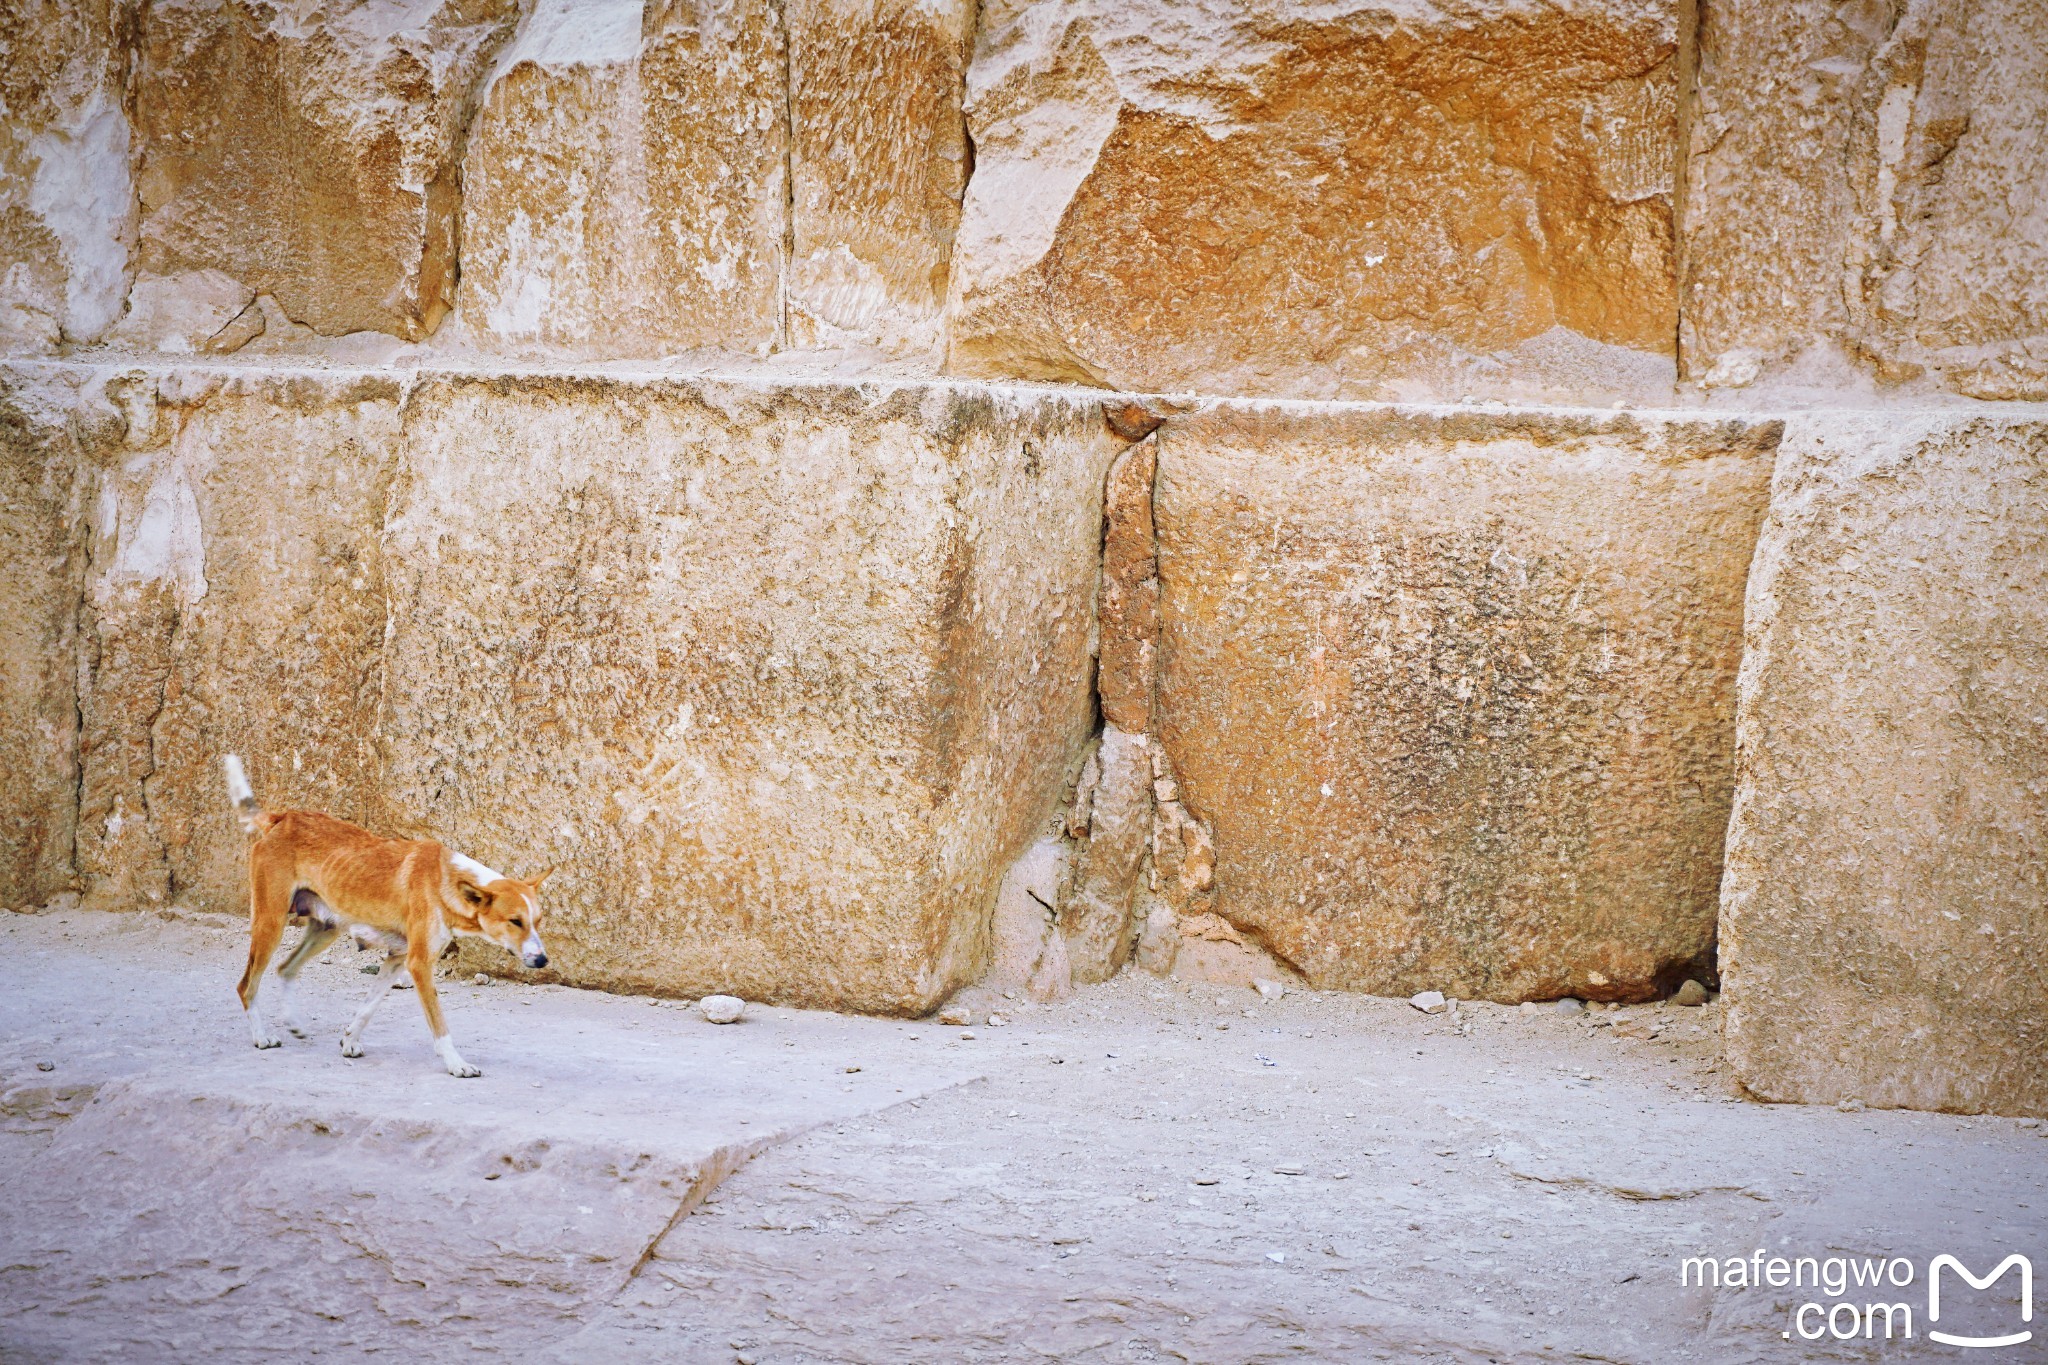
[239,791]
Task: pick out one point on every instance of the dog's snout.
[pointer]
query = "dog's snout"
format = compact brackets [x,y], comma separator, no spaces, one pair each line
[535,959]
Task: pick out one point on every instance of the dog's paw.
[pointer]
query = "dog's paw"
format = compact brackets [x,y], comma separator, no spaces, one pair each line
[265,1040]
[351,1048]
[464,1071]
[295,1028]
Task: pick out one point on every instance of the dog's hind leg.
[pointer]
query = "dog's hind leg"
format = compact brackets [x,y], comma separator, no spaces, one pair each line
[318,936]
[387,977]
[270,901]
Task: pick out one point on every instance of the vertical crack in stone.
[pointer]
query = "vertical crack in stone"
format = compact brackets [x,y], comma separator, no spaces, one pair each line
[788,262]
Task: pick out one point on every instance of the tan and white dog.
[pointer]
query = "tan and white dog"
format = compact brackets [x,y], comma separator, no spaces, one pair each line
[409,897]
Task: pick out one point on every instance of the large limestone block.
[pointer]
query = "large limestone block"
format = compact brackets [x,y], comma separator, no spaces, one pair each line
[1453,693]
[1876,187]
[1368,199]
[782,678]
[235,604]
[879,161]
[310,150]
[1885,910]
[67,220]
[625,184]
[44,489]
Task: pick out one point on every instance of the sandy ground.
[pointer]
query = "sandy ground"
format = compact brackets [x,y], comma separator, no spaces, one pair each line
[1146,1172]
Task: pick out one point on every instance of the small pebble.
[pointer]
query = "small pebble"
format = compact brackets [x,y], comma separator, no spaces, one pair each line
[1692,993]
[1569,1005]
[481,979]
[1269,988]
[722,1009]
[46,1066]
[1290,1168]
[967,1035]
[1429,1002]
[997,1021]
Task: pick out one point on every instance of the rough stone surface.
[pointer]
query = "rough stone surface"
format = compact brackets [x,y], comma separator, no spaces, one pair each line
[311,151]
[185,313]
[1128,660]
[624,186]
[879,160]
[1028,955]
[235,604]
[1884,906]
[1372,200]
[1096,916]
[67,221]
[1871,183]
[1455,691]
[44,494]
[782,678]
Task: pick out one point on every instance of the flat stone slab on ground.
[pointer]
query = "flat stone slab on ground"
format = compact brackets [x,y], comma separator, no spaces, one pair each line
[1490,1185]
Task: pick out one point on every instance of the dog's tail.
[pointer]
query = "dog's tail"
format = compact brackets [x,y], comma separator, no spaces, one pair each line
[254,819]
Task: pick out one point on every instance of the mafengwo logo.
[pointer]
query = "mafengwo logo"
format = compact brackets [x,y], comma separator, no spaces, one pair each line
[1858,1298]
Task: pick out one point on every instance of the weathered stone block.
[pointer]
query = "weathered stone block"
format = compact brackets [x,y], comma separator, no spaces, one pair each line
[44,492]
[879,159]
[235,605]
[1873,186]
[67,220]
[1886,899]
[1385,200]
[311,150]
[624,187]
[1455,692]
[783,678]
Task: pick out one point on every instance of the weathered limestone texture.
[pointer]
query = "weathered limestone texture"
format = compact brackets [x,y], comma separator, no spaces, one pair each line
[44,491]
[235,604]
[1129,657]
[625,184]
[783,678]
[1885,909]
[1372,200]
[312,151]
[879,161]
[1112,822]
[67,221]
[1455,692]
[1872,183]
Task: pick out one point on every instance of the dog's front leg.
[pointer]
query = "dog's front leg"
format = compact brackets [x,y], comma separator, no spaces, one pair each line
[387,977]
[422,966]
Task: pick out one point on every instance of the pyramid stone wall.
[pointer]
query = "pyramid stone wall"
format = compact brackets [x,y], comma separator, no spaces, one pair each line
[1519,501]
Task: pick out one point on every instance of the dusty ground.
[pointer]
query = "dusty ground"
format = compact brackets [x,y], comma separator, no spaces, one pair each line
[1147,1172]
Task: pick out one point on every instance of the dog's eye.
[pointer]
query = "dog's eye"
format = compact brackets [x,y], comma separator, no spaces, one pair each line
[518,924]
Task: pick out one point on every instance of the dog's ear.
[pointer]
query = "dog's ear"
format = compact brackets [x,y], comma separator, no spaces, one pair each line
[472,895]
[535,883]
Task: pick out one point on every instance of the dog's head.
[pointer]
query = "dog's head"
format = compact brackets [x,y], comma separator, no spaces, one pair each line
[507,912]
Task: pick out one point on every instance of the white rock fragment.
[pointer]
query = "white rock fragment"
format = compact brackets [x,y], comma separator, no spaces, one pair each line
[1429,1002]
[1269,988]
[722,1009]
